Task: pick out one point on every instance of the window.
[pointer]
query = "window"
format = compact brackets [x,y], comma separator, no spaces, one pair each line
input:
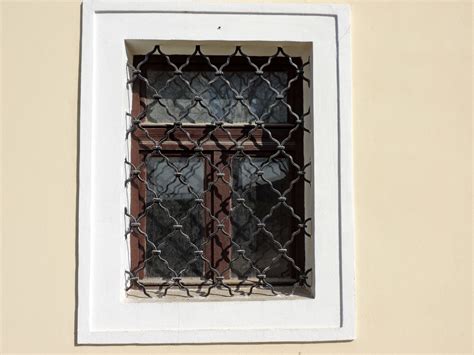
[217,173]
[157,144]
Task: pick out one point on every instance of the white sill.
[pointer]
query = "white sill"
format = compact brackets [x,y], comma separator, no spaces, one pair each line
[285,293]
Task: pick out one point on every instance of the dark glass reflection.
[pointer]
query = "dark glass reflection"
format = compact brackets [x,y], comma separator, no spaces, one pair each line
[217,97]
[260,197]
[175,247]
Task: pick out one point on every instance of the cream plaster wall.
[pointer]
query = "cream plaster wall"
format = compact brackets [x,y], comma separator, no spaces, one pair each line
[412,85]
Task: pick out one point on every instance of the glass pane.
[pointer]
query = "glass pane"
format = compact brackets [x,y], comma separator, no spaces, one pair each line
[179,202]
[260,197]
[218,97]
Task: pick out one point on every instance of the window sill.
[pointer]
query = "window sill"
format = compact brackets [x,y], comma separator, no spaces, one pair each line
[286,293]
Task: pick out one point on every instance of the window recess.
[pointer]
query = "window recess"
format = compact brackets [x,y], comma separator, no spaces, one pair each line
[217,174]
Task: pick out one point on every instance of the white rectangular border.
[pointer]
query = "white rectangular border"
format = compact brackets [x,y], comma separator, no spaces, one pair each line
[102,315]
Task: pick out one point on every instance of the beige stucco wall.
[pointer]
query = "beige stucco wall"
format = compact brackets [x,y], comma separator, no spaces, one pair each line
[412,84]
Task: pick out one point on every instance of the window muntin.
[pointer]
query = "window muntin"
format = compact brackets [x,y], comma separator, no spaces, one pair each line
[247,134]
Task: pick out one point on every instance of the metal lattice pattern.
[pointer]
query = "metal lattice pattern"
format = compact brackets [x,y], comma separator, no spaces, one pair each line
[175,230]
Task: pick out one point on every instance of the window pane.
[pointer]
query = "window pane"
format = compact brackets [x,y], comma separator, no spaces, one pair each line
[218,97]
[260,197]
[178,202]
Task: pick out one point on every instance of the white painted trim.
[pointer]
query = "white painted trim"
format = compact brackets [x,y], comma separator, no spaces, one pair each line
[85,175]
[103,315]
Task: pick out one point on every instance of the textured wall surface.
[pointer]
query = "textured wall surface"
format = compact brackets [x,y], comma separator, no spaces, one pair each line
[412,85]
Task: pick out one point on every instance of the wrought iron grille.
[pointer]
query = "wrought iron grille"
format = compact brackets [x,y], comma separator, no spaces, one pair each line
[216,173]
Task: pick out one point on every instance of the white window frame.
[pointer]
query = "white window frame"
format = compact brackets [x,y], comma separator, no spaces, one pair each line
[104,314]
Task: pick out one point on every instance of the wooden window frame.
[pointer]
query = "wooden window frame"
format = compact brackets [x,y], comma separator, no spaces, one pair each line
[141,145]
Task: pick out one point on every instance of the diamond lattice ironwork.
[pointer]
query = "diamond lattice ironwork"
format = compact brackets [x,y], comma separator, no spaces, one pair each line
[216,173]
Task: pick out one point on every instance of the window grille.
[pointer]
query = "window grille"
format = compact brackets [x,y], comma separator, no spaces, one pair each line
[216,174]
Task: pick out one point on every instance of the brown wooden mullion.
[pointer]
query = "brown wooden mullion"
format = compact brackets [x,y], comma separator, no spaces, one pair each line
[221,204]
